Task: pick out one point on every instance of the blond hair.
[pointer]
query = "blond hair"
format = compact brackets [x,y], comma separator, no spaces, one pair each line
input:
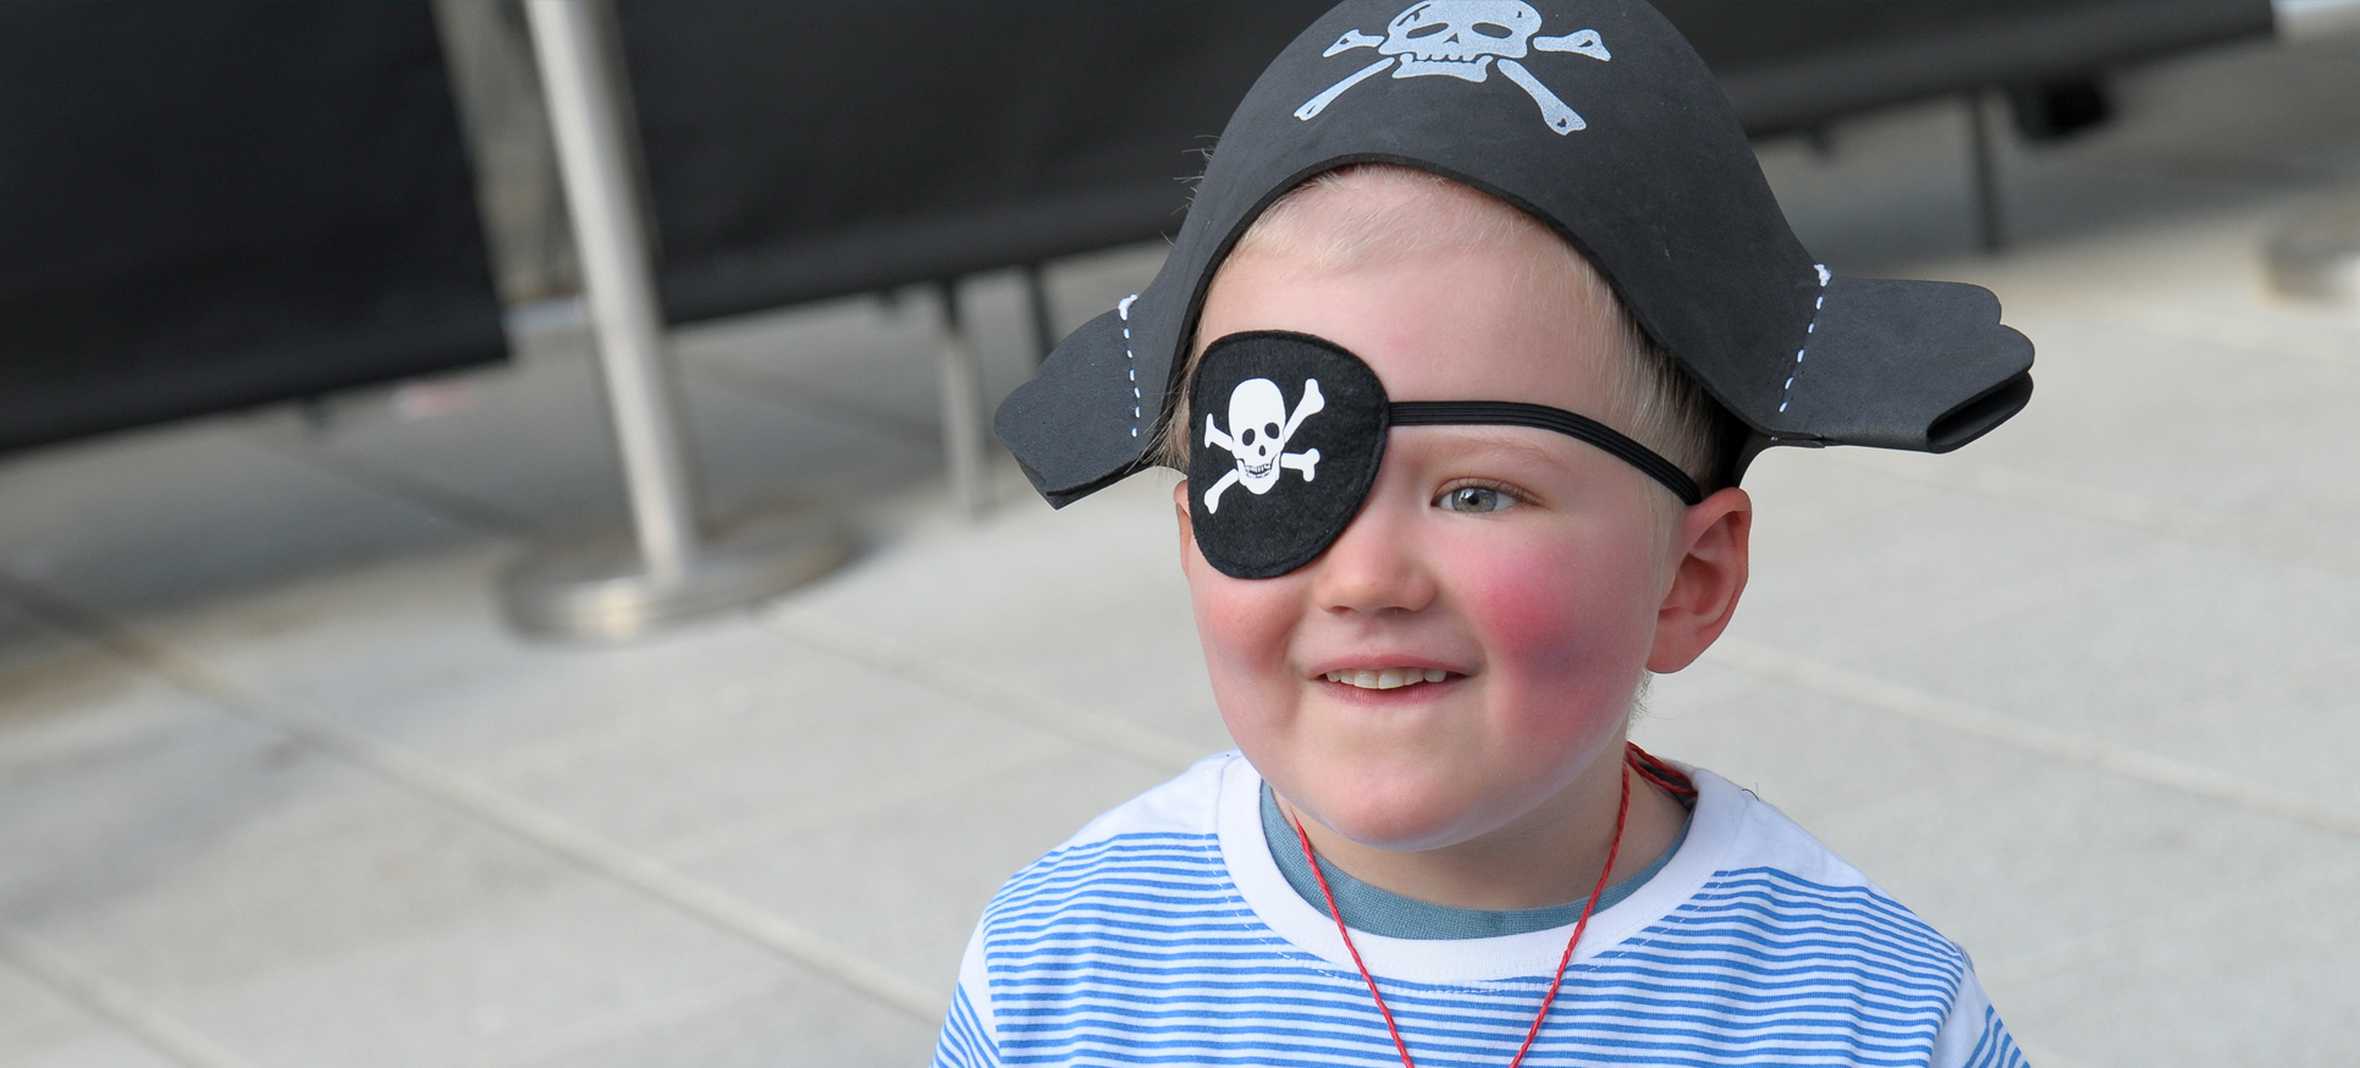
[1355,214]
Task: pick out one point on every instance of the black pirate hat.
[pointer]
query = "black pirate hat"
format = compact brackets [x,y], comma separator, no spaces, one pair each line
[1597,118]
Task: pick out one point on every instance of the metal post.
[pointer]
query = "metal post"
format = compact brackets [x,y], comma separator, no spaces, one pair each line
[613,245]
[1044,326]
[2315,256]
[962,406]
[1992,227]
[600,590]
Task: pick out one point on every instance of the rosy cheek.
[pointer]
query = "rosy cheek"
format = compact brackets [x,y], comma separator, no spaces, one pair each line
[1560,630]
[1243,617]
[1244,628]
[1528,602]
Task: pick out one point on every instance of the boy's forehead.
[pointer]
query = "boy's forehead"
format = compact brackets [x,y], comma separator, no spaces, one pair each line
[1512,449]
[1450,324]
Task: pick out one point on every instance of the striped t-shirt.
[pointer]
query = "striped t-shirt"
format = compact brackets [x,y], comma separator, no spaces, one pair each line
[1164,933]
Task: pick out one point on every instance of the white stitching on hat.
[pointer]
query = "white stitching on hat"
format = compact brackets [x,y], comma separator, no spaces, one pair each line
[1124,309]
[1812,328]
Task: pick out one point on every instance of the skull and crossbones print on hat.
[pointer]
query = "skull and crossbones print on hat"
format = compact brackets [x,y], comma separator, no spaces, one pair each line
[1598,119]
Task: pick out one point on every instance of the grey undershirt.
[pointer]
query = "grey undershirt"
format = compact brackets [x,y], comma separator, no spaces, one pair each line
[1379,911]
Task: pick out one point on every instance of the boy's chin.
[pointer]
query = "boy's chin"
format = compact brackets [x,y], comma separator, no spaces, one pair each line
[1399,823]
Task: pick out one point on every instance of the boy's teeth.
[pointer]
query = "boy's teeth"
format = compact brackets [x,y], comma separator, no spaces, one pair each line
[1389,678]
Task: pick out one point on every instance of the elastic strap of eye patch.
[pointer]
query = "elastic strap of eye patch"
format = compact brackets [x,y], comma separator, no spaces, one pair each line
[1541,417]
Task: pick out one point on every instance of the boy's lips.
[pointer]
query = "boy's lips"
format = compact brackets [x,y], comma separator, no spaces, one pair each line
[1379,661]
[1414,694]
[1386,677]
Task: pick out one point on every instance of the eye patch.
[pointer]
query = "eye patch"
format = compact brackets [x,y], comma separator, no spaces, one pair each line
[1290,430]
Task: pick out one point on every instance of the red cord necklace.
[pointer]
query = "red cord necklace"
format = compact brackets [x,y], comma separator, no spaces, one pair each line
[1649,767]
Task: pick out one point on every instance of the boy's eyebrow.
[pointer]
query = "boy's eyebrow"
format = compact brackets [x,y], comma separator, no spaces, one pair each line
[1454,439]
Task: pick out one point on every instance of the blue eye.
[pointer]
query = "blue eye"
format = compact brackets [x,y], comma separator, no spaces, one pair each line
[1475,498]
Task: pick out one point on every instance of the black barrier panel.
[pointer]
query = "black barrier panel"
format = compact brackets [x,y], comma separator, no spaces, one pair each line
[1795,64]
[803,151]
[212,205]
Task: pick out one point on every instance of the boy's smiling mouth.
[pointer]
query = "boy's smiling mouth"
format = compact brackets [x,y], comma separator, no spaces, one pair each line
[1387,678]
[1385,672]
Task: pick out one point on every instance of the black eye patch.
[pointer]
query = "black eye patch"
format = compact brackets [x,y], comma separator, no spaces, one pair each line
[1289,432]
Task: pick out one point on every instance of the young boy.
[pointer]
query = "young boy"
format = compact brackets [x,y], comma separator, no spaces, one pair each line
[1463,381]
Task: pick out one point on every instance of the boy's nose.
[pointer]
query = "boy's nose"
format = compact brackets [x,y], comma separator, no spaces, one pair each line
[1373,566]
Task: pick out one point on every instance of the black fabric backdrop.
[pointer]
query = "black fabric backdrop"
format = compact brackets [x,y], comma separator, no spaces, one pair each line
[799,151]
[1796,63]
[803,151]
[218,204]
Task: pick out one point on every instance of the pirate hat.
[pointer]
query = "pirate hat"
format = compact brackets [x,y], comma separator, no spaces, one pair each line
[1597,118]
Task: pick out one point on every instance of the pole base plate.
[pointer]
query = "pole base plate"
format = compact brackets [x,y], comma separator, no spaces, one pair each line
[2317,257]
[602,591]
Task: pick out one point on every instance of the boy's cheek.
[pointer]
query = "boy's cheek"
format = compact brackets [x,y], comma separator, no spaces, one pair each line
[1532,601]
[1525,606]
[1242,625]
[1554,618]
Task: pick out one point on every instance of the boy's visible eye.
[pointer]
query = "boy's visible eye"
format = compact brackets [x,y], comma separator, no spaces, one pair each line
[1476,497]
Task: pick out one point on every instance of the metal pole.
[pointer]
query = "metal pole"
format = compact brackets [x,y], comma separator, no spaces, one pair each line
[1036,301]
[592,149]
[962,406]
[2315,256]
[596,588]
[1993,228]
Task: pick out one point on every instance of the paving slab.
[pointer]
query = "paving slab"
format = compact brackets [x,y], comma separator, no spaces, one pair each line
[906,882]
[504,979]
[2259,976]
[61,697]
[2138,410]
[94,1050]
[366,639]
[2203,656]
[1078,617]
[655,748]
[798,1023]
[300,889]
[1846,557]
[2053,877]
[145,522]
[38,1026]
[529,447]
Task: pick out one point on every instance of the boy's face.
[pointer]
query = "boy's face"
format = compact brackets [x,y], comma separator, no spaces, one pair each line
[1539,592]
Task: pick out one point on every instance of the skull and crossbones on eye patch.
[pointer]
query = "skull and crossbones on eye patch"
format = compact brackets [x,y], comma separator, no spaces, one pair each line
[1465,39]
[1259,419]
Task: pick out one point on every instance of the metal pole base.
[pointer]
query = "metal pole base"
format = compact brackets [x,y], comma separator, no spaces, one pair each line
[2317,257]
[601,591]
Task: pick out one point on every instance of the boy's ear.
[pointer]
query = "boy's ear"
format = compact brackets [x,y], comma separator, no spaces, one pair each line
[1708,576]
[1180,509]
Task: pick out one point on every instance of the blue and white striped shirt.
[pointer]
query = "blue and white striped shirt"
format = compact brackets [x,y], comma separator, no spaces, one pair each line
[1164,933]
